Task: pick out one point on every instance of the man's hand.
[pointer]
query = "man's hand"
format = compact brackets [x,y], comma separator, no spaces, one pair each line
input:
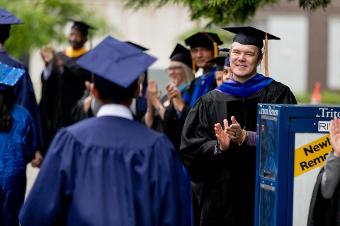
[335,136]
[236,133]
[222,136]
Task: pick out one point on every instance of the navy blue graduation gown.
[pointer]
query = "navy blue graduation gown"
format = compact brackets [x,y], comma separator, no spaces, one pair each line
[109,171]
[24,94]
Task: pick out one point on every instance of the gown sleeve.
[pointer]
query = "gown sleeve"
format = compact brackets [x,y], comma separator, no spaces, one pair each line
[170,183]
[198,143]
[47,201]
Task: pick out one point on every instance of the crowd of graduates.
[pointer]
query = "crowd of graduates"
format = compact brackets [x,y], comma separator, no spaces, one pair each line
[113,151]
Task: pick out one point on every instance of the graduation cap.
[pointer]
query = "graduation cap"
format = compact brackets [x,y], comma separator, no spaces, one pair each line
[248,35]
[137,45]
[81,26]
[218,62]
[204,39]
[181,54]
[7,18]
[9,76]
[227,56]
[116,61]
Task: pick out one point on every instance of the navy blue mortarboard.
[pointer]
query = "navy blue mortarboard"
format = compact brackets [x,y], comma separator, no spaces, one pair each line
[9,76]
[181,54]
[81,26]
[248,35]
[116,61]
[204,39]
[137,45]
[7,18]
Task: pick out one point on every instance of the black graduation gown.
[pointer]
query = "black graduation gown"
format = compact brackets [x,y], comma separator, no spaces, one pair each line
[223,184]
[60,93]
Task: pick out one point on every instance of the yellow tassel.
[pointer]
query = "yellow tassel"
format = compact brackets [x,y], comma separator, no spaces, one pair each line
[214,45]
[193,67]
[215,49]
[266,73]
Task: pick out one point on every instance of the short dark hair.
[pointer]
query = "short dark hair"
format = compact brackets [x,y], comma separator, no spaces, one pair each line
[4,32]
[109,91]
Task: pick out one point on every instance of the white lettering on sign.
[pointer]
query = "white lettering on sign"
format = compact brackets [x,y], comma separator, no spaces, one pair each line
[327,113]
[269,111]
[323,126]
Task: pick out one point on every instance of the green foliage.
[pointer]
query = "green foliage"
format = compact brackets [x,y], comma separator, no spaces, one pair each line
[222,12]
[44,22]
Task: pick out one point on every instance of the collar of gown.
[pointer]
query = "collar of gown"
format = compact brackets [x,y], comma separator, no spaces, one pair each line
[115,110]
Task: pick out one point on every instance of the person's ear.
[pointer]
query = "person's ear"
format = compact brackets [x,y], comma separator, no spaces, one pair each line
[94,91]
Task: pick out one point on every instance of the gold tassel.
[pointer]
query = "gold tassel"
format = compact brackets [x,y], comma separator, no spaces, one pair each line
[193,67]
[266,56]
[215,49]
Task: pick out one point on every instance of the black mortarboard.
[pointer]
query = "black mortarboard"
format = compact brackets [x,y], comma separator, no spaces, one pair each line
[7,18]
[204,39]
[248,35]
[9,76]
[181,54]
[116,61]
[136,45]
[81,26]
[218,62]
[226,58]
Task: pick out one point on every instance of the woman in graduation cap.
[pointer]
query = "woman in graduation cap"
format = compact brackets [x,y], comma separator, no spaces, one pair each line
[17,146]
[221,161]
[110,169]
[168,114]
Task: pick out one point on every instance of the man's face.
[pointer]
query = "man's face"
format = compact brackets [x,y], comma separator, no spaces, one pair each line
[244,60]
[76,39]
[201,56]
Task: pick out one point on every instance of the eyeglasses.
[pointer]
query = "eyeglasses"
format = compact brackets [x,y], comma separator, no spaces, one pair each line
[174,68]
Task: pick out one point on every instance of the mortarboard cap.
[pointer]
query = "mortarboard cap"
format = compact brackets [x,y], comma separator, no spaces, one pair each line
[81,26]
[248,35]
[218,62]
[116,61]
[226,58]
[204,39]
[181,54]
[7,18]
[137,45]
[9,76]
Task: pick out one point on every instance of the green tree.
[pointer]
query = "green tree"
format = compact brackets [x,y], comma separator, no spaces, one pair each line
[44,22]
[223,11]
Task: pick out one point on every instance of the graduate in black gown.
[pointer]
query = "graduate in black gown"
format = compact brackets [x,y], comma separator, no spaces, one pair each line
[23,90]
[221,161]
[203,48]
[110,169]
[63,83]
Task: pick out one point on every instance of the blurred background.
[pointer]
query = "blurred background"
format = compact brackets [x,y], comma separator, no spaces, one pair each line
[306,58]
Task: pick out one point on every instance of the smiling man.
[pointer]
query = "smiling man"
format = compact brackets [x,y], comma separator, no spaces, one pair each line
[203,48]
[221,161]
